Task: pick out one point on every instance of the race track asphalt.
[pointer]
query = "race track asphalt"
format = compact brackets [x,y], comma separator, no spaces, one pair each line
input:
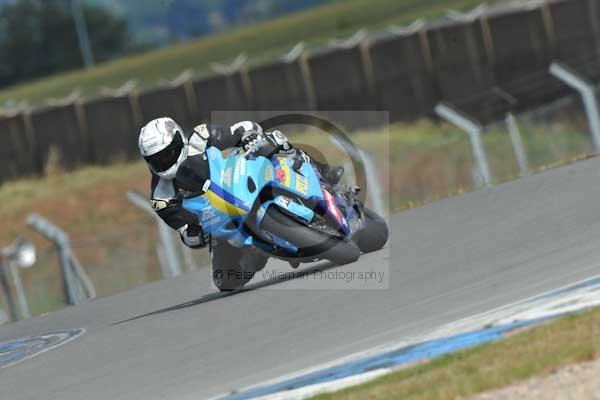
[448,260]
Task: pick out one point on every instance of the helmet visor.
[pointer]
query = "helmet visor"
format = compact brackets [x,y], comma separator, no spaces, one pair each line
[167,157]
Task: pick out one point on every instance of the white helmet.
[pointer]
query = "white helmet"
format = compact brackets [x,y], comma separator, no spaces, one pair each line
[163,146]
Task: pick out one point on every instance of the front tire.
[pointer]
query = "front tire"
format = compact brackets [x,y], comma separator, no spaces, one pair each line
[375,234]
[232,267]
[311,242]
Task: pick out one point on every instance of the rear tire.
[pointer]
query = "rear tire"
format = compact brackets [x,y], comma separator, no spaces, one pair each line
[311,242]
[375,235]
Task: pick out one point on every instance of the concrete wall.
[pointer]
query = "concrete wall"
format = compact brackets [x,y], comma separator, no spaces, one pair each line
[403,76]
[339,80]
[168,101]
[59,129]
[221,93]
[278,86]
[576,34]
[460,65]
[16,152]
[112,127]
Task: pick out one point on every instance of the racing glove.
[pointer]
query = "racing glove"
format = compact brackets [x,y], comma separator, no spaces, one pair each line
[193,236]
[248,132]
[250,139]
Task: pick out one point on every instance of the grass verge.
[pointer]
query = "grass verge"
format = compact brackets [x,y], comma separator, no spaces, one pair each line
[541,350]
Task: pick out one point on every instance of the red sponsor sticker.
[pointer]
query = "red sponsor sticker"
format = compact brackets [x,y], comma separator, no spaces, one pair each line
[329,199]
[280,175]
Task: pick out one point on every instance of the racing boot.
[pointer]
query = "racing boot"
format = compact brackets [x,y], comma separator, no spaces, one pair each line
[331,173]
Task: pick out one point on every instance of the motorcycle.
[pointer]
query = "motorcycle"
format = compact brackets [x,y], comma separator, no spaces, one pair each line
[282,207]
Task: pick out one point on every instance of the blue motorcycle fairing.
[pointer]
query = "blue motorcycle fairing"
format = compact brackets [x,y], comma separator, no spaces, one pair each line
[235,185]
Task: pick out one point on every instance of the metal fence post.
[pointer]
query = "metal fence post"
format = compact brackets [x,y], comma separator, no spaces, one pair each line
[78,286]
[588,94]
[12,307]
[375,194]
[517,143]
[21,254]
[474,130]
[19,291]
[308,82]
[170,264]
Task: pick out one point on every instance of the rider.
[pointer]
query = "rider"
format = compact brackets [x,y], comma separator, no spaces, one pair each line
[168,150]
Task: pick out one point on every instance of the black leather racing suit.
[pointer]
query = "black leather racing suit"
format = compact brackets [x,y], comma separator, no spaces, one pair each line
[167,194]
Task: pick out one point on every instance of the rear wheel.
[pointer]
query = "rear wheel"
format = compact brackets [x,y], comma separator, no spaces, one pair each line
[310,242]
[375,235]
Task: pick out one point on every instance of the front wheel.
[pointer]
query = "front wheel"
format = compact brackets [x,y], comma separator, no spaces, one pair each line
[375,234]
[310,242]
[232,267]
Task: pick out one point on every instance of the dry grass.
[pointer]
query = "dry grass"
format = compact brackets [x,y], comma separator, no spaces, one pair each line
[89,204]
[87,201]
[541,350]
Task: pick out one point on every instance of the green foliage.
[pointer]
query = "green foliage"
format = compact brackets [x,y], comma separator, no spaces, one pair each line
[263,42]
[160,22]
[39,38]
[541,350]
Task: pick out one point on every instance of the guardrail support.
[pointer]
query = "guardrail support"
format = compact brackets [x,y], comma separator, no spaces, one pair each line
[517,143]
[170,264]
[10,301]
[21,254]
[474,130]
[375,194]
[78,286]
[19,291]
[588,94]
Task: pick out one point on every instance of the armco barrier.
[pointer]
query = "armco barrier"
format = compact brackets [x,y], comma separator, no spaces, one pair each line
[60,128]
[339,80]
[402,76]
[167,101]
[112,129]
[16,151]
[460,65]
